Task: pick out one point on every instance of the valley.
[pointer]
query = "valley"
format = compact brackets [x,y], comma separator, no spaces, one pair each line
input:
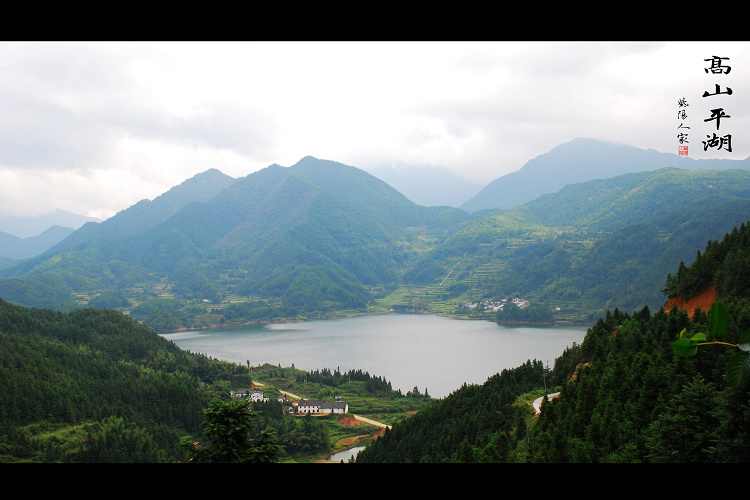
[321,240]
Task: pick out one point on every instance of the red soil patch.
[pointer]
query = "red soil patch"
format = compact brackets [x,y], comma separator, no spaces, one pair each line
[704,300]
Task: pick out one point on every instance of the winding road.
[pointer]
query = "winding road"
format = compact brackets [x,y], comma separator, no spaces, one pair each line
[538,402]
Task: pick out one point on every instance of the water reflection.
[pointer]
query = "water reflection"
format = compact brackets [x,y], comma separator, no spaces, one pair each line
[432,353]
[346,454]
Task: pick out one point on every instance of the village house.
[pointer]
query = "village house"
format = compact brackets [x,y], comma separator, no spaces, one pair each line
[253,394]
[315,407]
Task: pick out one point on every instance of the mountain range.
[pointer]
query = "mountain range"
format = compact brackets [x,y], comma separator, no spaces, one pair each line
[23,237]
[582,160]
[29,226]
[13,247]
[322,238]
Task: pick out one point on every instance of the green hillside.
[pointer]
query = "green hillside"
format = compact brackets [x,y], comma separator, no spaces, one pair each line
[590,247]
[94,386]
[323,239]
[283,242]
[625,395]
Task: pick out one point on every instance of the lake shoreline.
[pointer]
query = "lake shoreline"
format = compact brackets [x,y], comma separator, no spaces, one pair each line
[410,350]
[221,326]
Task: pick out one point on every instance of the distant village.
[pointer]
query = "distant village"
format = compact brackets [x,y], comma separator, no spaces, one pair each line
[497,305]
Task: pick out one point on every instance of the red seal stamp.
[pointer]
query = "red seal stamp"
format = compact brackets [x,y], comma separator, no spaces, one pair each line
[683,150]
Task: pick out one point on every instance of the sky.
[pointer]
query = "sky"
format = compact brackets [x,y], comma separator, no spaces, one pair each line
[94,127]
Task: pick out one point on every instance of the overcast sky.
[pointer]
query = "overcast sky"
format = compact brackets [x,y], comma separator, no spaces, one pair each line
[92,128]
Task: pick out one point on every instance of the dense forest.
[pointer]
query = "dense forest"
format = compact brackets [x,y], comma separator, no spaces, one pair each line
[93,385]
[625,396]
[129,394]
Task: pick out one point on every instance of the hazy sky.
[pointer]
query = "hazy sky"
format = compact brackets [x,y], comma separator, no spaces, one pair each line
[94,127]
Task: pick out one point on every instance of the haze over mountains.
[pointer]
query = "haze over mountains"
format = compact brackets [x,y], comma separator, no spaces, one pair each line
[429,186]
[577,161]
[320,237]
[26,237]
[28,226]
[13,247]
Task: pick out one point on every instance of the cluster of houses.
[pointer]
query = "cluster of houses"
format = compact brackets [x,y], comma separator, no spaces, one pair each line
[301,407]
[497,305]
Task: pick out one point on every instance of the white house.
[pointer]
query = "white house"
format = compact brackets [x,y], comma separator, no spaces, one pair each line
[321,407]
[253,394]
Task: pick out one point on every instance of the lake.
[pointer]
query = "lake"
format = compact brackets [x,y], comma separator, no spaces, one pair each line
[433,353]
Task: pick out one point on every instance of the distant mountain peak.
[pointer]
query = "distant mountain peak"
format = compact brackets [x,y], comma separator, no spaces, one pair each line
[581,160]
[25,227]
[146,214]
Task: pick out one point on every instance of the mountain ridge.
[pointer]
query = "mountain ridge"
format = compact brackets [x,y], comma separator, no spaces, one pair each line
[578,161]
[27,227]
[322,238]
[15,248]
[148,213]
[314,236]
[560,248]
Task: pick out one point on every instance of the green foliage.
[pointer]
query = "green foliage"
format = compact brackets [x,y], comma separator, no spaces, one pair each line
[228,428]
[109,300]
[132,392]
[534,313]
[161,314]
[465,426]
[697,412]
[373,384]
[738,366]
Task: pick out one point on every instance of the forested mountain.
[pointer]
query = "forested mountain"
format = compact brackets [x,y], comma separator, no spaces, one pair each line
[582,160]
[149,213]
[307,239]
[625,396]
[321,238]
[592,246]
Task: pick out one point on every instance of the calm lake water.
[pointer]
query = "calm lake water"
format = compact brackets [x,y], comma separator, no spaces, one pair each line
[432,353]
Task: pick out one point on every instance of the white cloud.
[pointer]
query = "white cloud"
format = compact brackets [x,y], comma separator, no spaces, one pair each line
[95,127]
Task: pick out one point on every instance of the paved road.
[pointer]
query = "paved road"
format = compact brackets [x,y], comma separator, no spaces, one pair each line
[289,394]
[371,422]
[538,401]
